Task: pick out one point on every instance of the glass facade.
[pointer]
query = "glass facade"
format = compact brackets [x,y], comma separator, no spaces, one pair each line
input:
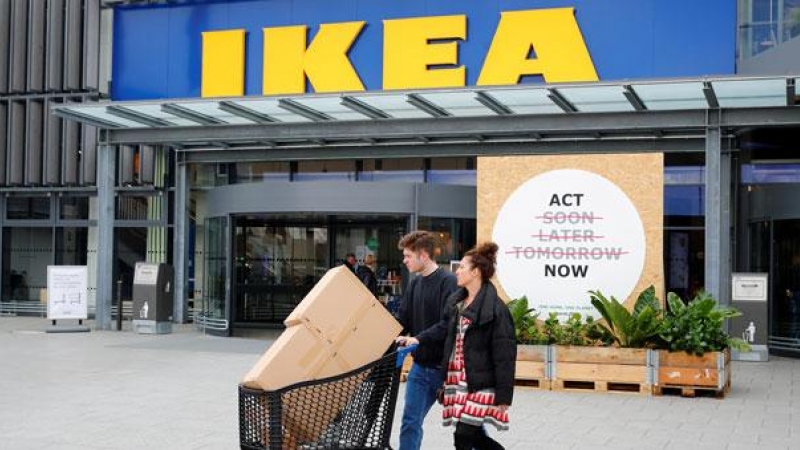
[212,304]
[26,254]
[279,258]
[773,237]
[766,24]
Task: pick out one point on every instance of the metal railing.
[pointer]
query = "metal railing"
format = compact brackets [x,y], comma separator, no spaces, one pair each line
[33,308]
[784,343]
[204,322]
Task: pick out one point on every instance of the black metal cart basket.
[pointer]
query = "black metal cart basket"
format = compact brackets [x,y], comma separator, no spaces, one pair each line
[354,410]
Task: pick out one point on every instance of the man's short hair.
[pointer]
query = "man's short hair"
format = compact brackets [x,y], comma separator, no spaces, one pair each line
[417,241]
[349,255]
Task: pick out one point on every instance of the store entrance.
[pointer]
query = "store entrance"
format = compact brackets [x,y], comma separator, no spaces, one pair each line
[776,250]
[278,258]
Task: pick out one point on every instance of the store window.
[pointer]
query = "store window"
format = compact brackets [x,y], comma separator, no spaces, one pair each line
[215,269]
[139,207]
[28,208]
[339,170]
[71,246]
[276,265]
[766,24]
[776,173]
[26,254]
[261,171]
[455,236]
[457,171]
[74,208]
[408,170]
[684,229]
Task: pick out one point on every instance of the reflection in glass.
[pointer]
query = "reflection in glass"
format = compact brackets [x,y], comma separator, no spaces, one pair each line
[785,306]
[71,246]
[456,236]
[213,301]
[26,254]
[684,262]
[28,208]
[276,266]
[74,208]
[374,243]
[766,24]
[139,207]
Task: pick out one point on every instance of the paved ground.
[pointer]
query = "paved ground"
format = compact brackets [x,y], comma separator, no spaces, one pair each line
[120,390]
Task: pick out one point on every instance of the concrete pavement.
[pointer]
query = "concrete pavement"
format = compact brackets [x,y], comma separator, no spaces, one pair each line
[121,390]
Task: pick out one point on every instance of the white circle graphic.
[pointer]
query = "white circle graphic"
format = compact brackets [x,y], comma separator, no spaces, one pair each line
[564,233]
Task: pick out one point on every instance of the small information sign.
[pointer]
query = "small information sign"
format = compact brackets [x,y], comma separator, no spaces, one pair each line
[749,287]
[67,288]
[145,274]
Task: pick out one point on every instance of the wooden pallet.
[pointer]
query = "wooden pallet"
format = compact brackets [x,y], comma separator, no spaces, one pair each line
[690,376]
[692,391]
[601,386]
[535,383]
[601,369]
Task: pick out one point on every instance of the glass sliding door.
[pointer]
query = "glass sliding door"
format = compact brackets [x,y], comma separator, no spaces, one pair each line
[213,312]
[374,237]
[784,255]
[276,265]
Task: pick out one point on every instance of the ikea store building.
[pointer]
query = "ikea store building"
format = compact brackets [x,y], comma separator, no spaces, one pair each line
[252,144]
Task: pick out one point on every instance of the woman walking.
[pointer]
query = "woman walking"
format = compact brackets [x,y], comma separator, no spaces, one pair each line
[480,353]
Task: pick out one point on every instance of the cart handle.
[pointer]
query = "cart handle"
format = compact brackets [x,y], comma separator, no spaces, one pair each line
[402,352]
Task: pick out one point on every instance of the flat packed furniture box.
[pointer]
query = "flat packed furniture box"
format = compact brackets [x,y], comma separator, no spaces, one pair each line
[339,326]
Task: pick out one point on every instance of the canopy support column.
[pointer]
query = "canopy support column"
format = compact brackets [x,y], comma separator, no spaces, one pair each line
[717,218]
[106,182]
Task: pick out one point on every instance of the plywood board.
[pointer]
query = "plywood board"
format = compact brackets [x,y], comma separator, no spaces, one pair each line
[639,176]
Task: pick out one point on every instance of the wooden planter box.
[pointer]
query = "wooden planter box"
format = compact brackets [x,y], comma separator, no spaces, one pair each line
[533,366]
[688,373]
[602,369]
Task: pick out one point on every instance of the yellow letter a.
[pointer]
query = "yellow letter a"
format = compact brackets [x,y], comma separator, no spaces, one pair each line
[561,53]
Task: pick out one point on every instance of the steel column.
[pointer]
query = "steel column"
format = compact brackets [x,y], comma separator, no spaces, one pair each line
[725,244]
[181,235]
[106,181]
[717,217]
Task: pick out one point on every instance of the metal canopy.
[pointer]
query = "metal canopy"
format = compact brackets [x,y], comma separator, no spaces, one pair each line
[660,113]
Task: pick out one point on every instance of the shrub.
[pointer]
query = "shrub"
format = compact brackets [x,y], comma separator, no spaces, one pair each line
[698,327]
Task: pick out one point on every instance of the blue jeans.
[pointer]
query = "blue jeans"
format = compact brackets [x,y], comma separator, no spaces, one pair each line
[421,387]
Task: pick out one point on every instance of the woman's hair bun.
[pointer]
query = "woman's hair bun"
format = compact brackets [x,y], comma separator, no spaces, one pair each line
[488,250]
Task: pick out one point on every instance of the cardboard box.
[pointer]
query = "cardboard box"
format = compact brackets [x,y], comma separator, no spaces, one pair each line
[339,326]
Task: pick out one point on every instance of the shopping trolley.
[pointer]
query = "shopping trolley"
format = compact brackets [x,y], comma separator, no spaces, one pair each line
[351,411]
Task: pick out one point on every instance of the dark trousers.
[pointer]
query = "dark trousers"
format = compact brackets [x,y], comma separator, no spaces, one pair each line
[469,437]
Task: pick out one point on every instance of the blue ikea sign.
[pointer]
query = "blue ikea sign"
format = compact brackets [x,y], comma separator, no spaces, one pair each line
[265,47]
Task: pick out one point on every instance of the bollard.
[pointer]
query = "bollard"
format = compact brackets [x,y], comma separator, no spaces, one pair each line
[119,304]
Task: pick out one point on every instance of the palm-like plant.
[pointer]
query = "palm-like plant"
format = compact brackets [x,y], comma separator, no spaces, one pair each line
[698,327]
[638,328]
[527,332]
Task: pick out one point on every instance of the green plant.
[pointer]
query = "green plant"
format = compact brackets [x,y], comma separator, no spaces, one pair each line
[574,331]
[597,333]
[698,327]
[638,328]
[527,332]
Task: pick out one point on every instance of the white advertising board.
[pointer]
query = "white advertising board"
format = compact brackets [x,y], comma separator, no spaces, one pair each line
[563,233]
[749,287]
[67,289]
